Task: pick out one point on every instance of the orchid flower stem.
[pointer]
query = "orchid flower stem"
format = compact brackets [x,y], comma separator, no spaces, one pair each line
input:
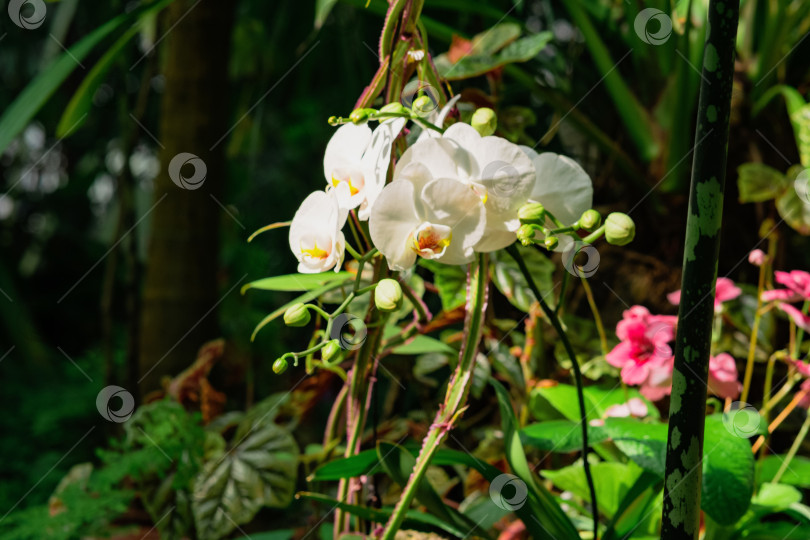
[566,278]
[457,390]
[597,319]
[421,311]
[595,235]
[800,332]
[353,252]
[752,349]
[793,449]
[768,386]
[800,395]
[569,349]
[318,310]
[779,396]
[356,237]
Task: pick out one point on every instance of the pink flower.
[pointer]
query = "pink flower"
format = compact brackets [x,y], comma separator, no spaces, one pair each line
[724,290]
[644,347]
[634,407]
[800,319]
[802,367]
[805,401]
[659,384]
[798,287]
[757,257]
[723,376]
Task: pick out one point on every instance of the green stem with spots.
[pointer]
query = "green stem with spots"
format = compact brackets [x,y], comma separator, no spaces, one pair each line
[681,509]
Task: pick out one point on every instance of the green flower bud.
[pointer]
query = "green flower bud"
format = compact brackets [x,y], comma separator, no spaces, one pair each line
[330,350]
[423,105]
[484,121]
[619,229]
[526,234]
[388,295]
[394,108]
[297,315]
[532,213]
[551,242]
[360,116]
[334,121]
[590,220]
[279,366]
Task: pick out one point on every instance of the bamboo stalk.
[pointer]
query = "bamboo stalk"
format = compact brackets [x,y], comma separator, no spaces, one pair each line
[681,508]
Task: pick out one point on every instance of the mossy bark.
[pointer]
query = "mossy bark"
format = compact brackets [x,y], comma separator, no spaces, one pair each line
[180,290]
[681,510]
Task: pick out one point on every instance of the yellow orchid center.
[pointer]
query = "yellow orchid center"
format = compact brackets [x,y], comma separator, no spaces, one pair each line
[315,252]
[354,180]
[431,241]
[481,192]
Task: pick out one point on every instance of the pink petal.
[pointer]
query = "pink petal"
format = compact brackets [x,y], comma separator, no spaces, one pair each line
[621,354]
[637,407]
[800,319]
[781,295]
[757,257]
[725,290]
[618,411]
[723,368]
[796,280]
[802,367]
[674,297]
[635,372]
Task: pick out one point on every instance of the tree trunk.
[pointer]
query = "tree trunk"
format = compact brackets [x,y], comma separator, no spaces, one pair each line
[180,289]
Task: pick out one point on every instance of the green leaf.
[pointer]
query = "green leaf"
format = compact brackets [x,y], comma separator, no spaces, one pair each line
[451,281]
[322,10]
[560,435]
[776,497]
[298,282]
[795,209]
[510,281]
[801,126]
[728,473]
[399,464]
[562,398]
[413,519]
[260,470]
[420,344]
[797,473]
[496,38]
[17,115]
[612,480]
[758,182]
[476,64]
[541,507]
[634,508]
[280,534]
[82,101]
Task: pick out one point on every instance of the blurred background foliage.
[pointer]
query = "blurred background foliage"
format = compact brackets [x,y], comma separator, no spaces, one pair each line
[71,276]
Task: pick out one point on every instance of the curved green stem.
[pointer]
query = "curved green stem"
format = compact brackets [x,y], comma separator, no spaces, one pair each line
[457,390]
[569,349]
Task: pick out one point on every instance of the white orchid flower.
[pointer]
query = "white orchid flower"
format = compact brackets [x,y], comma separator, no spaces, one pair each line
[356,162]
[420,215]
[563,188]
[497,171]
[315,233]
